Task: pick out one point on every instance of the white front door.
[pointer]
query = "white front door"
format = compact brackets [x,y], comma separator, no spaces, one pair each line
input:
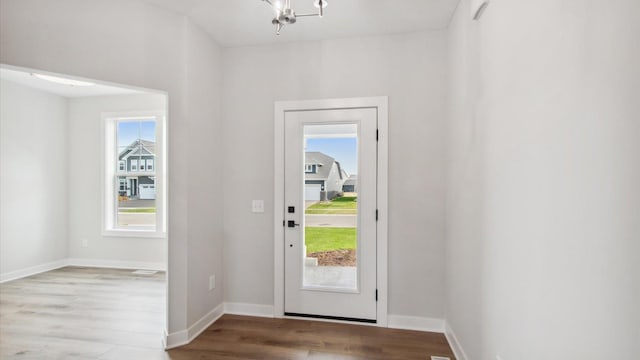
[330,248]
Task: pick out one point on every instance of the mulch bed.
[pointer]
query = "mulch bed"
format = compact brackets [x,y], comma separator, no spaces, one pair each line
[335,257]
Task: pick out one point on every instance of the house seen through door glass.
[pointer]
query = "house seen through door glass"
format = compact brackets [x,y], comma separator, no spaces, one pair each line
[136,173]
[331,206]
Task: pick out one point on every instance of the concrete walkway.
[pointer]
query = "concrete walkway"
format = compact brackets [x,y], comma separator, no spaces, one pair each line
[343,277]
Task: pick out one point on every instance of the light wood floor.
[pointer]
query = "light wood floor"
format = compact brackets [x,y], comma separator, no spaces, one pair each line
[83,313]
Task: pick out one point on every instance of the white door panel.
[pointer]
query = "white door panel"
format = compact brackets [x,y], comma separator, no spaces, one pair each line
[343,291]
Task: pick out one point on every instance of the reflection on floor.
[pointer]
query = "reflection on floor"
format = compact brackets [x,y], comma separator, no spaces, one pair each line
[343,277]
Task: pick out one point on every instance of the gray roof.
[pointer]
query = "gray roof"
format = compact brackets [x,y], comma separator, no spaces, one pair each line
[352,180]
[324,161]
[147,147]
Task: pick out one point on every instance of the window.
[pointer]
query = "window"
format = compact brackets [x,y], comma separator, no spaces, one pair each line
[122,187]
[310,168]
[134,192]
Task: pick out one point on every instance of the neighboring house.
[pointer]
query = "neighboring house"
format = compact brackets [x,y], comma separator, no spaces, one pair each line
[323,177]
[138,163]
[350,184]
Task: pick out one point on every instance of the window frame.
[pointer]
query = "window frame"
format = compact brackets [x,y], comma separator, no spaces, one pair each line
[111,172]
[310,169]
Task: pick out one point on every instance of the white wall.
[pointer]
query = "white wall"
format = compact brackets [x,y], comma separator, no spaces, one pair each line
[86,145]
[543,215]
[205,161]
[411,70]
[33,182]
[131,42]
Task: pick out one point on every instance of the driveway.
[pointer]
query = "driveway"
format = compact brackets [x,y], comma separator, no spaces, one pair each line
[331,220]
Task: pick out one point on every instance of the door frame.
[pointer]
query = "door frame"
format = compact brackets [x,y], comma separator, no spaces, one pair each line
[381,104]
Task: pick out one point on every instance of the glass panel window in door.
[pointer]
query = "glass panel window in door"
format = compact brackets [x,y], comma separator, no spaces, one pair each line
[331,206]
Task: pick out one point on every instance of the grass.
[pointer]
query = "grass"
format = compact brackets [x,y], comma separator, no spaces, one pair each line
[319,239]
[136,210]
[346,205]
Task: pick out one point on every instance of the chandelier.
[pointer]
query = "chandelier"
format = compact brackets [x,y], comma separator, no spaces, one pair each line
[285,14]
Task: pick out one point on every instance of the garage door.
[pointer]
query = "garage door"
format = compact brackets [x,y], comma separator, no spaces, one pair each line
[147,192]
[312,192]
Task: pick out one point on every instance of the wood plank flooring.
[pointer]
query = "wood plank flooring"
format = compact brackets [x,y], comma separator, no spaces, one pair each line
[241,337]
[85,313]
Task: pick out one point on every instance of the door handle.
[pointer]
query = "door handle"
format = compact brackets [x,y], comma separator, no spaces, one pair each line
[292,224]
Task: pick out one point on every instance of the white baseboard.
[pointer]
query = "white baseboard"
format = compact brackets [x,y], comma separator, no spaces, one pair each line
[454,343]
[116,264]
[249,309]
[416,323]
[184,337]
[176,339]
[33,270]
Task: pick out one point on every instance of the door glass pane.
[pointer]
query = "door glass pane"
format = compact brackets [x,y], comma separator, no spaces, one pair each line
[331,206]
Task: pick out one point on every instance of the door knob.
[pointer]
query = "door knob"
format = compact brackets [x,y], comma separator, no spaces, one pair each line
[292,224]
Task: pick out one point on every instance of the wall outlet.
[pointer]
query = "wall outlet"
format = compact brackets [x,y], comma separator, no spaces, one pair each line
[257,206]
[212,282]
[85,242]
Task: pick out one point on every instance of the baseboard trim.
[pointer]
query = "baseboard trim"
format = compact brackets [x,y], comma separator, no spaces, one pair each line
[116,264]
[33,270]
[249,309]
[176,339]
[416,323]
[184,337]
[458,351]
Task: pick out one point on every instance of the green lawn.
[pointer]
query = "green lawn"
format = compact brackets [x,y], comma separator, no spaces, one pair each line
[320,239]
[346,205]
[136,210]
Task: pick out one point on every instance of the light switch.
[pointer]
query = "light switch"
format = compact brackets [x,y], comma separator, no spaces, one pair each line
[257,206]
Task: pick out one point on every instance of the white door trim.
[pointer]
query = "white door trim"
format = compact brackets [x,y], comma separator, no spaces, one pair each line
[280,108]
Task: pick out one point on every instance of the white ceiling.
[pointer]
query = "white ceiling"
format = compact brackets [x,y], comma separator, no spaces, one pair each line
[248,22]
[25,78]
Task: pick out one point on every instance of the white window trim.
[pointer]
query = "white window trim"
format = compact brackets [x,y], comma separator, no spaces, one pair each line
[110,186]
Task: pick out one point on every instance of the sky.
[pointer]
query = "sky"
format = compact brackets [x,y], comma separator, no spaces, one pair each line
[129,131]
[344,150]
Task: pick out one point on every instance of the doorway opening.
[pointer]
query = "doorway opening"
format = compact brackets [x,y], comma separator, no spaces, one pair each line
[68,215]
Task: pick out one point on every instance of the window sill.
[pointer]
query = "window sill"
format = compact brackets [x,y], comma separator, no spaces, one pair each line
[130,233]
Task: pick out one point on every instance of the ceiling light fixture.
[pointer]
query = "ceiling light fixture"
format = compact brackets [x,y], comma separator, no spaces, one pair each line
[285,14]
[63,81]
